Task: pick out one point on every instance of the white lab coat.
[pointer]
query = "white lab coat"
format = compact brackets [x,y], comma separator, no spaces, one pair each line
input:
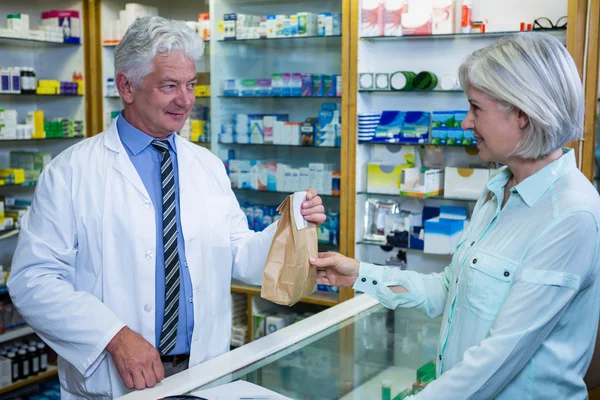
[84,265]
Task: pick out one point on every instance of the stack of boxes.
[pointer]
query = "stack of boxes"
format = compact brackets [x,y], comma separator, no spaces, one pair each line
[239,319]
[236,26]
[12,210]
[279,177]
[285,85]
[8,124]
[197,126]
[446,129]
[324,131]
[114,30]
[60,26]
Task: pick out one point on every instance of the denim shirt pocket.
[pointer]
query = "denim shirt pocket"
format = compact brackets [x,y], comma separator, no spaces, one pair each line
[489,279]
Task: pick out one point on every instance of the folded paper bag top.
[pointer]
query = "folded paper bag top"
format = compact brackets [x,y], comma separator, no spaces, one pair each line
[288,275]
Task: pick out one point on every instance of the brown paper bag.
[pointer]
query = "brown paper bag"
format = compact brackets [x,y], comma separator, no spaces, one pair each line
[288,275]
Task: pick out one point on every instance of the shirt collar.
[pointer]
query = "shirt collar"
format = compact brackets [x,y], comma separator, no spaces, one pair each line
[136,140]
[532,188]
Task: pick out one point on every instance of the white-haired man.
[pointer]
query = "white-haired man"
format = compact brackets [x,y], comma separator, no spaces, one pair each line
[125,259]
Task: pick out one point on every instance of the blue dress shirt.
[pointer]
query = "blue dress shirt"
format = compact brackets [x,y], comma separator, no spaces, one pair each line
[146,160]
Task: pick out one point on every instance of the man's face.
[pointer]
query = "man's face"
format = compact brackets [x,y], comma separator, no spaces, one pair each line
[164,100]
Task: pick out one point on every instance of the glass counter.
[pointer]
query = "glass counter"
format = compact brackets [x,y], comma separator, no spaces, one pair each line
[344,352]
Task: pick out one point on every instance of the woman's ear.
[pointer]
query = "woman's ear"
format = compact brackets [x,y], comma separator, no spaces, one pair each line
[522,119]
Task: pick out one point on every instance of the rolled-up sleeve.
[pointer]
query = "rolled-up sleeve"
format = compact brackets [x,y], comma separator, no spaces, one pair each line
[426,293]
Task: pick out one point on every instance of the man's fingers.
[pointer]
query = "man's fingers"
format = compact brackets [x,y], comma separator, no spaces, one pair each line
[138,380]
[310,194]
[149,377]
[159,371]
[127,378]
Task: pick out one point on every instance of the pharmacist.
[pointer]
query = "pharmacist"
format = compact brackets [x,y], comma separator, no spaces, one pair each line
[521,298]
[125,260]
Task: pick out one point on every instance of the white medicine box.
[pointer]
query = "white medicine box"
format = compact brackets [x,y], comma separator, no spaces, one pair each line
[465,183]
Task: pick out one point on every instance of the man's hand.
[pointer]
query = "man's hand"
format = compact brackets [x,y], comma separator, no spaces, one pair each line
[313,209]
[335,269]
[137,361]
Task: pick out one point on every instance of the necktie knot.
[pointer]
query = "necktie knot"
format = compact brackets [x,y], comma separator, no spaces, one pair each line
[161,145]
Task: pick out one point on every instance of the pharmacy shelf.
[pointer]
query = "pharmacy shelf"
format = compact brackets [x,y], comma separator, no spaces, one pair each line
[51,372]
[380,244]
[410,91]
[15,334]
[3,289]
[118,97]
[41,95]
[26,184]
[280,38]
[280,97]
[278,145]
[8,233]
[318,298]
[36,41]
[414,197]
[323,247]
[44,140]
[453,36]
[415,144]
[237,190]
[113,45]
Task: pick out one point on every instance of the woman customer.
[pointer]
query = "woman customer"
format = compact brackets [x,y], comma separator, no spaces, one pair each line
[520,298]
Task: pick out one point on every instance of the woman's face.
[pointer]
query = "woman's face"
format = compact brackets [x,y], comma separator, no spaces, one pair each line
[497,132]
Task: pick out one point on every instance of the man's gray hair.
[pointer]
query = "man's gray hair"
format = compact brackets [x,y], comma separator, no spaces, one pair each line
[534,73]
[150,36]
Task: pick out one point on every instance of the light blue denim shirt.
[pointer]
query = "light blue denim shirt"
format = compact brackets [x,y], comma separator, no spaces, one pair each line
[520,299]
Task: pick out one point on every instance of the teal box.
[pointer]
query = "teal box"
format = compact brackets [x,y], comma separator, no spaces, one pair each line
[469,138]
[443,119]
[455,137]
[460,116]
[318,85]
[439,136]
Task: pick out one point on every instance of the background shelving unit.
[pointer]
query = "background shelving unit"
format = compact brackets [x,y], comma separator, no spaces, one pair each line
[442,55]
[260,58]
[184,10]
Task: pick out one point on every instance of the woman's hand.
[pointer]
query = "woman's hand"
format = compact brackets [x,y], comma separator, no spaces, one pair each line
[335,269]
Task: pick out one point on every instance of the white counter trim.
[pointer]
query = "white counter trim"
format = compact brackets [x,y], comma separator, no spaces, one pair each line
[232,361]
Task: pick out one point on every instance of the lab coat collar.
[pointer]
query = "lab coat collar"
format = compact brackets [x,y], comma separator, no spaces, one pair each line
[122,162]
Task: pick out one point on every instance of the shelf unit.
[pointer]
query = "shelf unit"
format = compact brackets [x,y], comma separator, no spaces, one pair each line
[50,373]
[318,298]
[16,333]
[281,38]
[280,97]
[8,233]
[486,35]
[442,55]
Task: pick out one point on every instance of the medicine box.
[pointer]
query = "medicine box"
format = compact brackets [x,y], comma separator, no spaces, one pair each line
[442,235]
[465,183]
[422,182]
[384,178]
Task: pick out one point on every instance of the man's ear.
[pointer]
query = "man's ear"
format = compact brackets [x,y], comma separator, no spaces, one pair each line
[125,88]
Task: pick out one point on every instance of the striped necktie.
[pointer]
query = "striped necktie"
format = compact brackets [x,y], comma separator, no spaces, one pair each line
[168,335]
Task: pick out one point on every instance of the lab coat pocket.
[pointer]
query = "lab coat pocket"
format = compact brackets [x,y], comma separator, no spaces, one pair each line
[488,281]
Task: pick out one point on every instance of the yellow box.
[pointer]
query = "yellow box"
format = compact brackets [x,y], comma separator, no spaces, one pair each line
[45,83]
[47,90]
[36,119]
[385,178]
[16,176]
[80,88]
[202,90]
